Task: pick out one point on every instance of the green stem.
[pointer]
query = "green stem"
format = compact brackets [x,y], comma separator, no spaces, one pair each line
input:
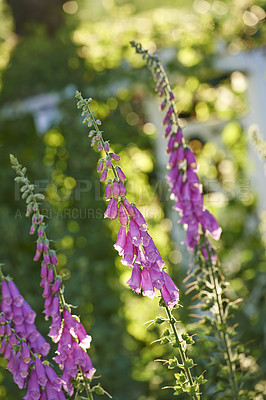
[182,353]
[86,385]
[224,335]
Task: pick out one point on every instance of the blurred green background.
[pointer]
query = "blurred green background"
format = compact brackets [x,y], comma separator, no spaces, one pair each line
[48,49]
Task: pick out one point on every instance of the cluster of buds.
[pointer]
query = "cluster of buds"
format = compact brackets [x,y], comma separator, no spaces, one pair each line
[184,184]
[25,348]
[134,243]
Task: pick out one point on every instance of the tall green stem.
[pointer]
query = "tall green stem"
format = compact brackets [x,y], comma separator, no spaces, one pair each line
[182,353]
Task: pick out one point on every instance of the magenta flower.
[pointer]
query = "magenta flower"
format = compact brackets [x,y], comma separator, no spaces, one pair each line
[121,174]
[135,281]
[121,240]
[115,157]
[169,291]
[122,189]
[108,191]
[103,175]
[147,286]
[122,214]
[116,189]
[100,166]
[112,209]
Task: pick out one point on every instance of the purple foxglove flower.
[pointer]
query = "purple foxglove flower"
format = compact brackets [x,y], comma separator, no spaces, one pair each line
[93,140]
[33,391]
[147,287]
[56,285]
[122,189]
[100,166]
[7,352]
[40,219]
[180,154]
[43,280]
[179,136]
[141,258]
[171,96]
[122,214]
[32,229]
[69,366]
[192,177]
[34,219]
[129,208]
[152,251]
[51,393]
[21,382]
[28,212]
[134,232]
[156,275]
[7,310]
[106,147]
[192,237]
[140,220]
[67,385]
[53,257]
[31,332]
[18,316]
[85,340]
[160,94]
[8,330]
[53,378]
[115,157]
[65,343]
[128,256]
[108,191]
[55,330]
[25,353]
[116,190]
[171,144]
[169,291]
[163,104]
[12,360]
[79,355]
[3,346]
[112,209]
[41,346]
[135,281]
[40,372]
[44,270]
[191,160]
[46,290]
[41,231]
[168,130]
[17,298]
[23,369]
[50,274]
[109,163]
[2,331]
[46,258]
[145,238]
[120,174]
[37,255]
[121,241]
[100,146]
[210,224]
[173,159]
[39,245]
[173,175]
[104,175]
[46,245]
[7,297]
[2,319]
[55,308]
